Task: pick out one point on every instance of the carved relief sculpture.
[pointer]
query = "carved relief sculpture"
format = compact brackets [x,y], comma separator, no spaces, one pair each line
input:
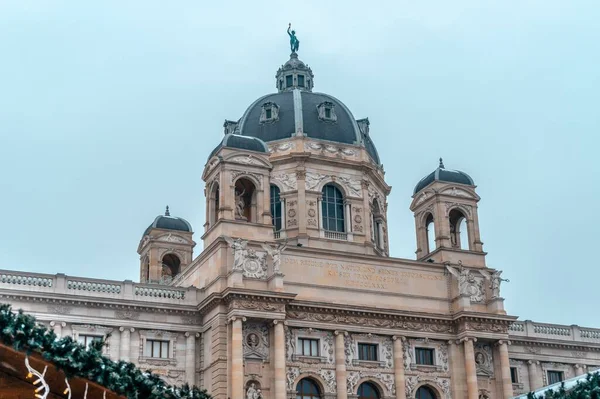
[468,285]
[312,180]
[288,181]
[483,359]
[247,260]
[256,341]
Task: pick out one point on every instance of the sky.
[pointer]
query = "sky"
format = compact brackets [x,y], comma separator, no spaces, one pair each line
[108,110]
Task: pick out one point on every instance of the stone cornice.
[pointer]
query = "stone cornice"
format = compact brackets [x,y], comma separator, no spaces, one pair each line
[246,299]
[567,345]
[127,304]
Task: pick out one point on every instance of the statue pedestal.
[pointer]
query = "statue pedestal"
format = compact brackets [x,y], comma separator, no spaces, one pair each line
[496,305]
[236,279]
[275,282]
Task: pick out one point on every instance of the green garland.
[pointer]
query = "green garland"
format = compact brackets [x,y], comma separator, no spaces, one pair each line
[23,333]
[588,389]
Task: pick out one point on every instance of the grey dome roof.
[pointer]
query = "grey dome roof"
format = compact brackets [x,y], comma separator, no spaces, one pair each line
[299,112]
[243,142]
[445,175]
[167,222]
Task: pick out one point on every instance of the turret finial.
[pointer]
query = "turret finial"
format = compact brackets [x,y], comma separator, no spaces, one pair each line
[441,163]
[167,213]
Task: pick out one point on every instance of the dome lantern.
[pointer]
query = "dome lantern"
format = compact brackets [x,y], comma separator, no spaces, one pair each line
[294,74]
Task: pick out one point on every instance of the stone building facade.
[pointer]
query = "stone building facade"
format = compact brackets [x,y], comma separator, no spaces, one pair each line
[294,294]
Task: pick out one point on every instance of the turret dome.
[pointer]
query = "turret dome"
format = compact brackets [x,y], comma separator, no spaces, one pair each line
[168,222]
[444,175]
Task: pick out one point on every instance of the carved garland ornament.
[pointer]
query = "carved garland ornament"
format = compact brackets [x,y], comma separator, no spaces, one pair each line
[371,322]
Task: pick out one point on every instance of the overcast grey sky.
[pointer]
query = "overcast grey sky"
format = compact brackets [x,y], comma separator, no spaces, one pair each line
[108,110]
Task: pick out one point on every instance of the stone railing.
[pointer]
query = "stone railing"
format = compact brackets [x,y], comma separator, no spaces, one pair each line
[159,292]
[528,328]
[25,280]
[95,288]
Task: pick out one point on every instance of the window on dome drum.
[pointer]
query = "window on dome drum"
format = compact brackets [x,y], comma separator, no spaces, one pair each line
[300,80]
[328,113]
[289,81]
[425,393]
[156,349]
[308,347]
[281,85]
[307,389]
[333,209]
[367,352]
[366,390]
[268,113]
[430,227]
[514,376]
[276,207]
[555,377]
[458,230]
[87,340]
[425,356]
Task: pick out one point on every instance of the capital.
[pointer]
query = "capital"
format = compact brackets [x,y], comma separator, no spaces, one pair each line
[466,339]
[284,322]
[533,362]
[130,329]
[398,337]
[503,341]
[192,334]
[338,332]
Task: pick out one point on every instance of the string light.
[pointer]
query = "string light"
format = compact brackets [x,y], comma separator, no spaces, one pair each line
[85,393]
[67,389]
[40,380]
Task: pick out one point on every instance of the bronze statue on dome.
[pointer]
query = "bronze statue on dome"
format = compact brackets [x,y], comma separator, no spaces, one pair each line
[294,42]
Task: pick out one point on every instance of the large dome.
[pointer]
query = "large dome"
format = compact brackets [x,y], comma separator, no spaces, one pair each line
[296,109]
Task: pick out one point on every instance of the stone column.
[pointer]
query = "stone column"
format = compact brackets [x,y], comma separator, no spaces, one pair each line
[283,216]
[380,244]
[279,361]
[57,326]
[340,365]
[347,217]
[580,369]
[534,382]
[237,358]
[399,378]
[470,370]
[190,357]
[505,369]
[125,342]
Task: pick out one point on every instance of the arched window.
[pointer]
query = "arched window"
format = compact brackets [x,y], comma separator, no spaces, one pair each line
[459,232]
[275,207]
[377,223]
[213,204]
[333,209]
[366,390]
[170,268]
[430,228]
[307,389]
[425,393]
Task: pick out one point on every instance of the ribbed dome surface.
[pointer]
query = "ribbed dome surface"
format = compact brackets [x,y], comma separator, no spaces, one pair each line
[241,142]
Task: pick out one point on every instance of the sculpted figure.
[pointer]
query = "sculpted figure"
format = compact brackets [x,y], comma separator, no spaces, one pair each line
[275,253]
[294,42]
[467,283]
[239,251]
[495,281]
[240,204]
[252,393]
